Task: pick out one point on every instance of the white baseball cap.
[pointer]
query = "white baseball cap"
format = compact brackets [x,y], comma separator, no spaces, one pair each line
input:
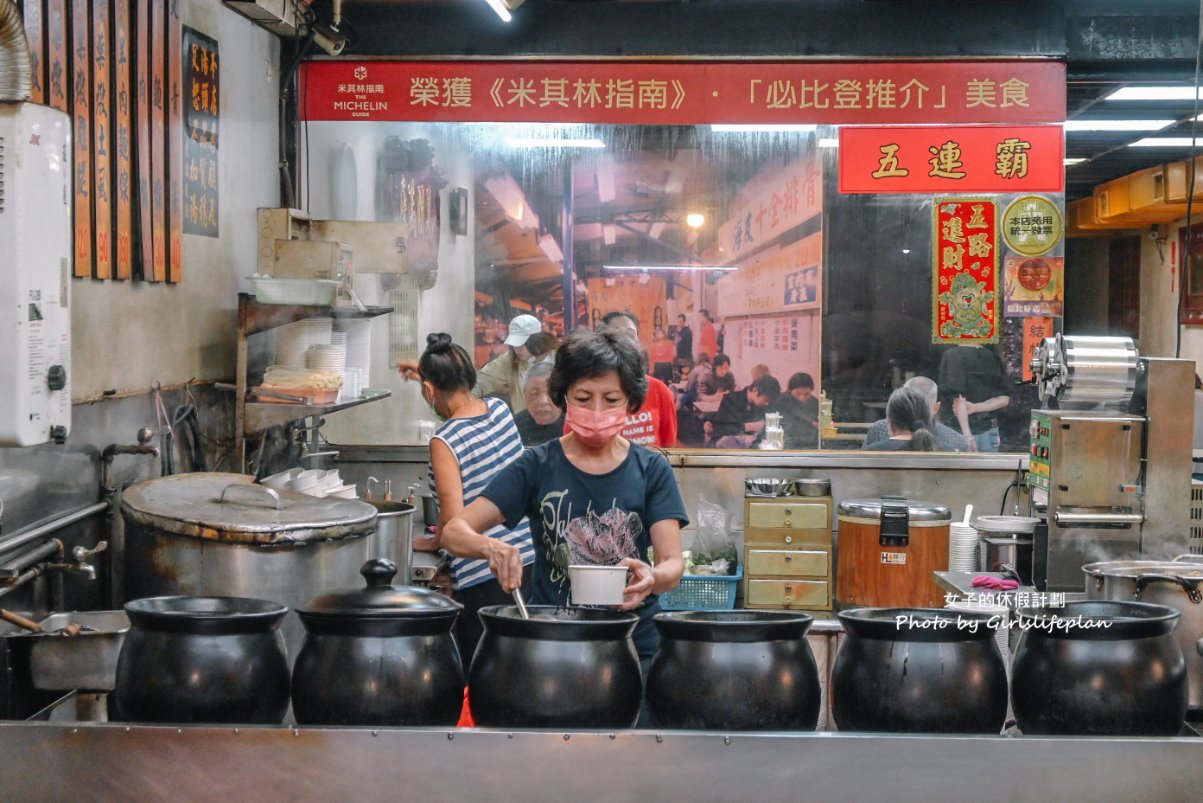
[521,328]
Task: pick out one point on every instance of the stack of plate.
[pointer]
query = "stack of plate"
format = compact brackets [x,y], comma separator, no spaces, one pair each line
[326,357]
[294,340]
[962,547]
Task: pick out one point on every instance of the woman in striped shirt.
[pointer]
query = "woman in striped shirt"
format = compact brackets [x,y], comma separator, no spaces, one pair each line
[476,440]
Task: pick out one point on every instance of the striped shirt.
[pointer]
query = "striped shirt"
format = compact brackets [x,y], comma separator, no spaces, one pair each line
[483,445]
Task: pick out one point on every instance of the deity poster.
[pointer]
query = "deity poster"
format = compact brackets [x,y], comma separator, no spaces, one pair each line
[965,297]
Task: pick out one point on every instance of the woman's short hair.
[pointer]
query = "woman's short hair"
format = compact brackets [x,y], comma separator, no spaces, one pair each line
[801,380]
[588,355]
[446,365]
[907,411]
[540,370]
[540,343]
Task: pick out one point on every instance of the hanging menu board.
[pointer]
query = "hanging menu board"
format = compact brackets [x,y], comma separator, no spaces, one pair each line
[81,109]
[57,65]
[31,13]
[122,136]
[201,117]
[102,174]
[175,145]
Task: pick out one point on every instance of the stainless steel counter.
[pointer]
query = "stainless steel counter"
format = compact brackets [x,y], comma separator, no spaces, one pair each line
[111,762]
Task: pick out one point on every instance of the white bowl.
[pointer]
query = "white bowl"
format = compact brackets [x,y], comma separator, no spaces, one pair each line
[343,492]
[597,585]
[330,480]
[282,479]
[306,481]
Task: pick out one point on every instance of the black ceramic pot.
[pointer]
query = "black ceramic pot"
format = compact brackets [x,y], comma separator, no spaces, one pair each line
[734,670]
[918,670]
[380,655]
[573,668]
[202,660]
[1099,668]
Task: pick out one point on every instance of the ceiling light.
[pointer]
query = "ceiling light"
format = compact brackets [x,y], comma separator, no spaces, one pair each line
[801,129]
[1163,142]
[1154,93]
[1074,160]
[553,142]
[1117,125]
[504,7]
[669,267]
[829,142]
[695,220]
[906,250]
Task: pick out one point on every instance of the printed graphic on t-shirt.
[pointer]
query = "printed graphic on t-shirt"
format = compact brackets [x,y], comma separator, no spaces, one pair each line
[641,428]
[588,539]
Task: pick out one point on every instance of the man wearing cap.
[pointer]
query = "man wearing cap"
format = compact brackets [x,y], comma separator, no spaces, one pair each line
[502,376]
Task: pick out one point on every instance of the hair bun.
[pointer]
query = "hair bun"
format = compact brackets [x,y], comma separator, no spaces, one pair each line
[917,425]
[438,342]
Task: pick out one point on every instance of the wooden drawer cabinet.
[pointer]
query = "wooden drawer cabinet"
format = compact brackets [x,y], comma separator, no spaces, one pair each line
[788,562]
[804,594]
[787,553]
[792,515]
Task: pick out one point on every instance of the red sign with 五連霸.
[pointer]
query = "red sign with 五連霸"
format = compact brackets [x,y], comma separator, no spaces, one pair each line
[977,158]
[685,93]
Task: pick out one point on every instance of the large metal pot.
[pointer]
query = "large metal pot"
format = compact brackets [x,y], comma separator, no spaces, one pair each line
[1178,585]
[202,660]
[217,534]
[381,655]
[734,670]
[918,671]
[1099,668]
[394,536]
[574,668]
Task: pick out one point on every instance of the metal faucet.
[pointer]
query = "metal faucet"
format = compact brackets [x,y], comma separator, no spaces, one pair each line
[113,449]
[80,554]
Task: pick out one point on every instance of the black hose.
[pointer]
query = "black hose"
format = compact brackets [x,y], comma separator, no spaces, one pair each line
[186,423]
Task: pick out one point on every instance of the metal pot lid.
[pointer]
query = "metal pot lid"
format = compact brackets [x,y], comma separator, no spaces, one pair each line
[1006,524]
[219,506]
[916,509]
[380,599]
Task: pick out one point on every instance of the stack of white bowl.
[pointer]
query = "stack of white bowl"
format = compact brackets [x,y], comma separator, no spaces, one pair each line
[294,340]
[326,357]
[358,339]
[963,542]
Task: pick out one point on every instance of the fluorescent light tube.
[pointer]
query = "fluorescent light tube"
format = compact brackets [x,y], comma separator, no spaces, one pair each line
[669,267]
[1164,142]
[501,10]
[728,128]
[1117,125]
[1154,93]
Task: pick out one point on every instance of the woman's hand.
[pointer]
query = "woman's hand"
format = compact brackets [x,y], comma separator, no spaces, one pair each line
[505,561]
[642,580]
[408,369]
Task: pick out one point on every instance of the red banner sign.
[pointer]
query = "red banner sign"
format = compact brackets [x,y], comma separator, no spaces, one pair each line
[930,159]
[667,93]
[965,278]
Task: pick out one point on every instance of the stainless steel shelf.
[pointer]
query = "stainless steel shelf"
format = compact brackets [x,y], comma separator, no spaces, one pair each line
[261,415]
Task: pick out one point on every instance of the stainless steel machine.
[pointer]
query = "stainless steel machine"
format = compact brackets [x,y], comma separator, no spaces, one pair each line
[1110,457]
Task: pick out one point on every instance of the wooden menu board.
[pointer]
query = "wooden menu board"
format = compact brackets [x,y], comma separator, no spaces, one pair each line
[175,145]
[122,144]
[31,15]
[158,127]
[142,224]
[57,63]
[102,141]
[81,109]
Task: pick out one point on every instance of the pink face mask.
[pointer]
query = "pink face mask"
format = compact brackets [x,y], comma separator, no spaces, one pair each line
[595,428]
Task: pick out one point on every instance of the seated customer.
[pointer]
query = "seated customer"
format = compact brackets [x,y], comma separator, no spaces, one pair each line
[799,410]
[740,415]
[719,381]
[947,438]
[541,421]
[908,420]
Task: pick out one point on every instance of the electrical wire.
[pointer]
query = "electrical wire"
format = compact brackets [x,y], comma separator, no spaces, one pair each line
[1190,191]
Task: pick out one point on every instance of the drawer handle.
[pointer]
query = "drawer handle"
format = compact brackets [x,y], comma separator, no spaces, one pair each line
[788,511]
[789,539]
[788,558]
[788,522]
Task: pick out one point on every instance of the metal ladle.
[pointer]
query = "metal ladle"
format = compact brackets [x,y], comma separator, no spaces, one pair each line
[520,603]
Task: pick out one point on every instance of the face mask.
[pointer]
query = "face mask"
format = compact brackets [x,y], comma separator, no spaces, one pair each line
[429,399]
[595,429]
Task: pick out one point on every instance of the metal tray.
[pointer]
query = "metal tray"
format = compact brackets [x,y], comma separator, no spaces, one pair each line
[87,660]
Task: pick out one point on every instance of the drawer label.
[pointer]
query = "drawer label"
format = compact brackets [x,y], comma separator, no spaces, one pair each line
[896,558]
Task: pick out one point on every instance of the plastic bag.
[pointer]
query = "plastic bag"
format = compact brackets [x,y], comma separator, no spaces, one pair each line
[714,548]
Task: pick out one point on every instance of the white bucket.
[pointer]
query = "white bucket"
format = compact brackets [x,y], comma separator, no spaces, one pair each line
[597,585]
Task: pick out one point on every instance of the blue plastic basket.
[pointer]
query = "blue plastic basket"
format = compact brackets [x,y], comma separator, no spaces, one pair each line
[703,592]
